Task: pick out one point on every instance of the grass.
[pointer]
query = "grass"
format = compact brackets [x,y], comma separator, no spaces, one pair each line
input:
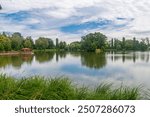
[61,88]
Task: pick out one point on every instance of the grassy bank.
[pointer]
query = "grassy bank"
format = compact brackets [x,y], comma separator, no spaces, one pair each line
[39,88]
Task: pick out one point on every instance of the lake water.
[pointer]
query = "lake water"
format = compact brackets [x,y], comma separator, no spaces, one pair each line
[132,68]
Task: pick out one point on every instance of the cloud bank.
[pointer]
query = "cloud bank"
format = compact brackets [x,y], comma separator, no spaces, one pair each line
[69,20]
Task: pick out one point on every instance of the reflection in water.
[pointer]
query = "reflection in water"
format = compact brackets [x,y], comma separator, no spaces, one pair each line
[42,57]
[60,55]
[132,56]
[84,68]
[16,61]
[75,54]
[93,60]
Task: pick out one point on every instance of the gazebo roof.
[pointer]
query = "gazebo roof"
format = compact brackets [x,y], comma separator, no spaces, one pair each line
[26,49]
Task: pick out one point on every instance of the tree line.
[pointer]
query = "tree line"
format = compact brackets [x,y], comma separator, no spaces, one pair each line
[89,42]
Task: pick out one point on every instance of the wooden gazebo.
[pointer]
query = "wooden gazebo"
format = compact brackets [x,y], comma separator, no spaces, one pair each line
[26,50]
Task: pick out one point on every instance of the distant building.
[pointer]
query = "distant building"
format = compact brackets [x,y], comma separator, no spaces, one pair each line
[26,50]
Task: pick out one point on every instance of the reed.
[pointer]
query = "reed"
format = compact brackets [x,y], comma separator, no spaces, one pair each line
[60,88]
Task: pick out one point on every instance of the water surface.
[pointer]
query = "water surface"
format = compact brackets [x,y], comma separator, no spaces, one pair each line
[131,68]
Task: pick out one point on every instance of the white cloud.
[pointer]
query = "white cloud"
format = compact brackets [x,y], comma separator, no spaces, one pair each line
[53,14]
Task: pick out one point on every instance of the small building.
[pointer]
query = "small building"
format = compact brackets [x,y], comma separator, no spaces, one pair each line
[26,50]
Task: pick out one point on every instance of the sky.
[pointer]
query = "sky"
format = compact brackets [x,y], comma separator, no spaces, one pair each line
[68,20]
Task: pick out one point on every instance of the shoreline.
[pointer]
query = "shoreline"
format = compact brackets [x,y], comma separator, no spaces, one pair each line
[14,53]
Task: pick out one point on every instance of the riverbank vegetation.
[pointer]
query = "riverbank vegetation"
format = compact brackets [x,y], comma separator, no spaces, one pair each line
[60,88]
[90,42]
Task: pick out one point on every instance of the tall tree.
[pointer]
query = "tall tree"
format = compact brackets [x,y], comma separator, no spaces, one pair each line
[134,43]
[17,41]
[51,44]
[148,42]
[5,42]
[42,43]
[93,41]
[112,43]
[123,43]
[75,46]
[0,7]
[1,47]
[117,44]
[28,43]
[57,43]
[62,45]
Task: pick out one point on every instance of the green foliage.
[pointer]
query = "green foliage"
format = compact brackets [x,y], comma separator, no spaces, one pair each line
[89,42]
[1,47]
[143,45]
[60,88]
[28,43]
[123,43]
[129,44]
[0,7]
[62,45]
[51,44]
[41,43]
[75,46]
[57,43]
[5,42]
[93,41]
[44,43]
[17,41]
[117,44]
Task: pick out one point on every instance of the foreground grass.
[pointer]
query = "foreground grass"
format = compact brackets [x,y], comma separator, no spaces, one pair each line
[39,88]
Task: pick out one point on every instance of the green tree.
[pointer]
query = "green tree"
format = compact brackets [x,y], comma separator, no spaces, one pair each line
[1,47]
[148,42]
[5,42]
[57,43]
[75,46]
[143,45]
[112,43]
[123,43]
[28,43]
[134,43]
[51,43]
[93,41]
[62,45]
[42,43]
[129,44]
[17,41]
[117,44]
[0,7]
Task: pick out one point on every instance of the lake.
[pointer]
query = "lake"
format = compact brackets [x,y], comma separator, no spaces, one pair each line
[130,68]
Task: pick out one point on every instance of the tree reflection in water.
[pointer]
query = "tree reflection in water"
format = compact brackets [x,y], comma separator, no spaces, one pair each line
[93,60]
[15,60]
[42,57]
[88,59]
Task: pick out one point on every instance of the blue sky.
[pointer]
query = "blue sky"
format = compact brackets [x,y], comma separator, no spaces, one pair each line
[68,20]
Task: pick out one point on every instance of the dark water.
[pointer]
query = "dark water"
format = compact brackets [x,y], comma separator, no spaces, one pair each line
[132,68]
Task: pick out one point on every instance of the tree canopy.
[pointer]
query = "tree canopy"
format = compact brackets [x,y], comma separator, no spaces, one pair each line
[89,42]
[93,41]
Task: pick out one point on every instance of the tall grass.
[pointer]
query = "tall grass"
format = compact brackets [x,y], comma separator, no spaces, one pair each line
[61,88]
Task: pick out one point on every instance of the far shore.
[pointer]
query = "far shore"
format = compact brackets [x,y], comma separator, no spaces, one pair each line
[14,53]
